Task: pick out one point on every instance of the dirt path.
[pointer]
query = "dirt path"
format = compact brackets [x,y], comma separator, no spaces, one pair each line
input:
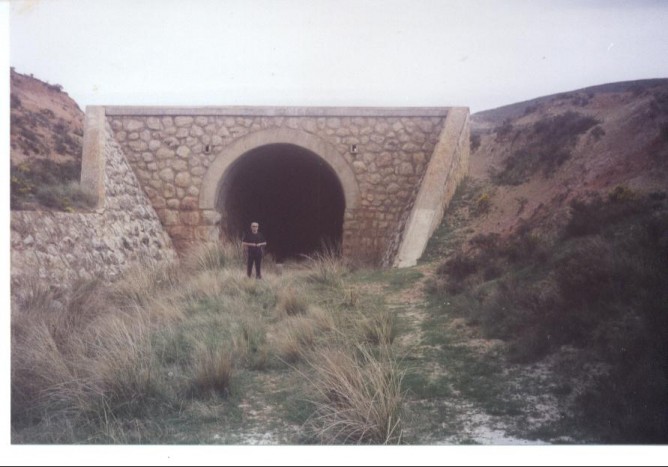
[452,416]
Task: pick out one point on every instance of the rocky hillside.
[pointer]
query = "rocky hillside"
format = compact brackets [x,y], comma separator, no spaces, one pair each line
[46,136]
[530,160]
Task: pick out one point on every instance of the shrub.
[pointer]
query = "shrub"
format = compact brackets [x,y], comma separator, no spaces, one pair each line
[483,204]
[600,287]
[504,129]
[549,145]
[597,132]
[459,267]
[15,101]
[55,185]
[65,197]
[475,142]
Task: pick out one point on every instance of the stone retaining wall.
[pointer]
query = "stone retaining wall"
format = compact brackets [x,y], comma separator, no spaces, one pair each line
[57,248]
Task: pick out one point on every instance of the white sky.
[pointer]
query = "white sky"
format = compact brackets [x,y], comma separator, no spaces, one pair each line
[480,54]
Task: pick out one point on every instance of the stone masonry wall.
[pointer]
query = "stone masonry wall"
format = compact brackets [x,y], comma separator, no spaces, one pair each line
[57,248]
[170,155]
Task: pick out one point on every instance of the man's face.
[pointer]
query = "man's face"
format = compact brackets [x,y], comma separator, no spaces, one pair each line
[254,228]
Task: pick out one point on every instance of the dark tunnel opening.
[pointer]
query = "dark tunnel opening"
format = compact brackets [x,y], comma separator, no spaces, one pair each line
[294,195]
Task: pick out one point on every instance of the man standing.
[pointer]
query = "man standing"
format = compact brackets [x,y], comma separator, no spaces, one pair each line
[253,244]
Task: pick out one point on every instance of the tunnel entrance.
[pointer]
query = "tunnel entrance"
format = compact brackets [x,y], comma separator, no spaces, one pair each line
[292,192]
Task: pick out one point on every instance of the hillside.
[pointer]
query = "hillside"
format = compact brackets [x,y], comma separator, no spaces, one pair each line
[46,136]
[533,158]
[557,245]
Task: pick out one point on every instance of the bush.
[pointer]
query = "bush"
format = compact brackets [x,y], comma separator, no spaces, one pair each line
[65,197]
[503,130]
[549,145]
[15,101]
[597,132]
[55,185]
[600,287]
[475,142]
[483,204]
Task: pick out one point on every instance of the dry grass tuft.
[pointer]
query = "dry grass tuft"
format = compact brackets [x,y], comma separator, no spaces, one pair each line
[291,303]
[213,370]
[377,327]
[212,256]
[358,396]
[294,338]
[328,268]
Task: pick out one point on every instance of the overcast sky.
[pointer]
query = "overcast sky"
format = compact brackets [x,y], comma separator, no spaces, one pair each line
[480,54]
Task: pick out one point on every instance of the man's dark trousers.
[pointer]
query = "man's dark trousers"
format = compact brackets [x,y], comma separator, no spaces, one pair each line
[254,256]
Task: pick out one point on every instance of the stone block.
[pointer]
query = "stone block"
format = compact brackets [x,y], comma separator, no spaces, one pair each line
[164,153]
[189,203]
[133,125]
[183,121]
[359,167]
[183,151]
[182,179]
[153,123]
[167,175]
[189,217]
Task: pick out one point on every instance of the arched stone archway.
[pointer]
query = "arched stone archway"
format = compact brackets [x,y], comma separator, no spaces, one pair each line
[294,183]
[395,168]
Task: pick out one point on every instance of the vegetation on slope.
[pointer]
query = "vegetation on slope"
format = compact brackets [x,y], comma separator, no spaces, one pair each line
[46,144]
[599,287]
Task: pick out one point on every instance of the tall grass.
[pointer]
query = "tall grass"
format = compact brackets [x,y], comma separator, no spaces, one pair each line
[113,362]
[327,267]
[358,396]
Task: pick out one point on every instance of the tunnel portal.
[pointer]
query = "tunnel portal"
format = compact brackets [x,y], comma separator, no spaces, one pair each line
[293,193]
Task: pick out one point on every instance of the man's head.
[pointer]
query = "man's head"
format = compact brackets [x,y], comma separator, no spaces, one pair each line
[254,227]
